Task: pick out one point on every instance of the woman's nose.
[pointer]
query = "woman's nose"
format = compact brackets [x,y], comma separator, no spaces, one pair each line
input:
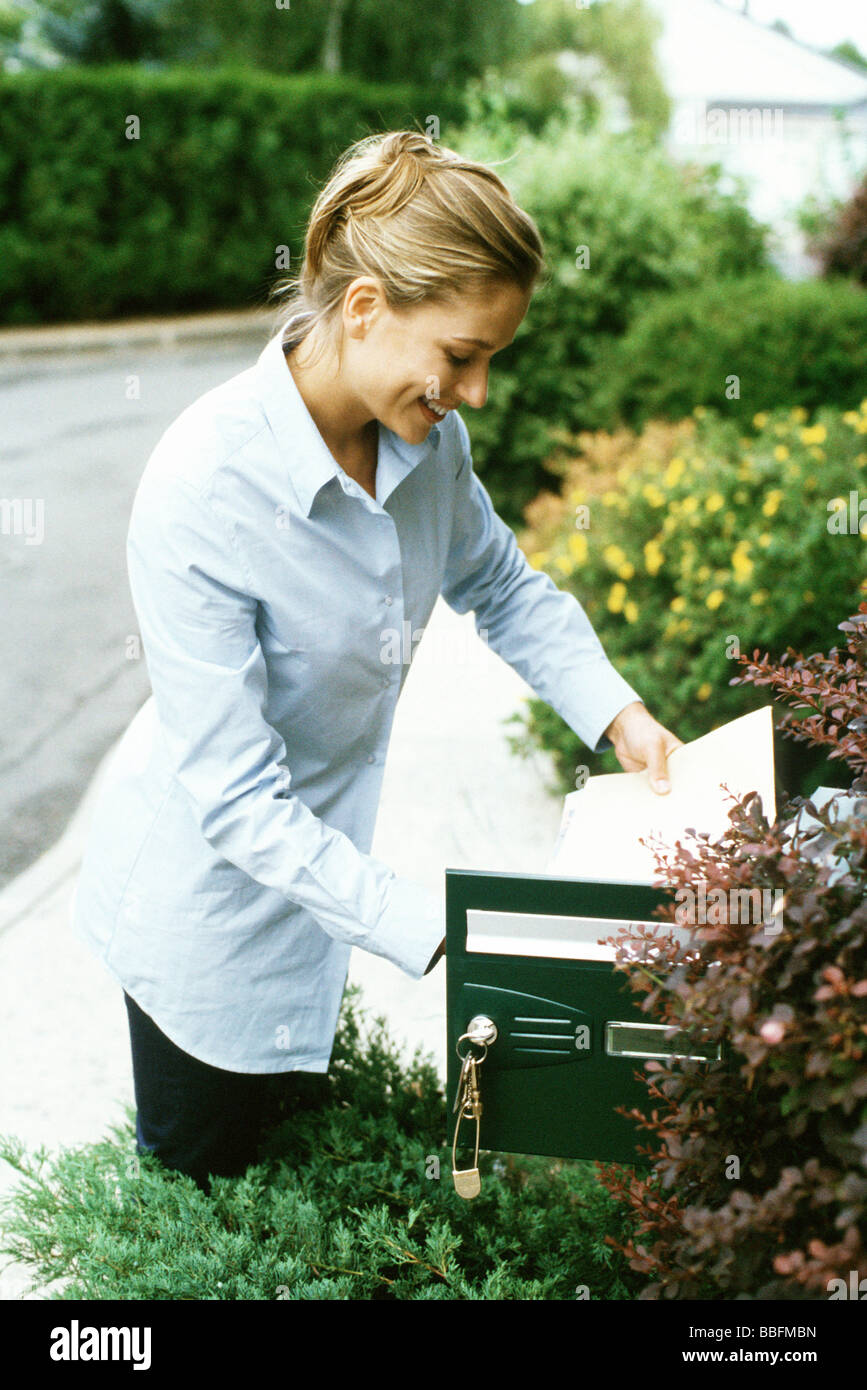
[474,388]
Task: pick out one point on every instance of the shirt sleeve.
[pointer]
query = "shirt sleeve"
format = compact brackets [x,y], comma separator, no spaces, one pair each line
[541,631]
[197,615]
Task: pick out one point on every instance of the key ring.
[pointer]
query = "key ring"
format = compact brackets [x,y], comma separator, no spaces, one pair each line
[475,1042]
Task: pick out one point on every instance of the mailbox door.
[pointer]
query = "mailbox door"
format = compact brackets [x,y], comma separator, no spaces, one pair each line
[551,1081]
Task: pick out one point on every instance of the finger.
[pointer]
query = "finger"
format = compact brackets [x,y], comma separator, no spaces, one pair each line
[657,767]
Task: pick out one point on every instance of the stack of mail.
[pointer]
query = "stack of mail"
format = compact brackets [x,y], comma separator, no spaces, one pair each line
[603,824]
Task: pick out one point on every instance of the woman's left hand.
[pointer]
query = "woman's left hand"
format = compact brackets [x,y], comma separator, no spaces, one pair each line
[640,741]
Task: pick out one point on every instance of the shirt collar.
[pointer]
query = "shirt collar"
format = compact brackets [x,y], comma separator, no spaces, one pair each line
[312,464]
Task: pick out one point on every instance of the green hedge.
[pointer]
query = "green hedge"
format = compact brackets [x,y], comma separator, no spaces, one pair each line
[649,225]
[790,344]
[344,1205]
[188,216]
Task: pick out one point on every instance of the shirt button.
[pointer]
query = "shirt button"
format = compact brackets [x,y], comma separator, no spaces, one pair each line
[370,757]
[389,600]
[386,680]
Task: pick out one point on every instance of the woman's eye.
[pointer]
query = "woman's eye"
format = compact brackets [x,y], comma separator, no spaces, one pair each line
[458,361]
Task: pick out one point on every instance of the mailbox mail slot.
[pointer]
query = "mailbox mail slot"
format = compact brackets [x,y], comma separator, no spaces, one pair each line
[523,950]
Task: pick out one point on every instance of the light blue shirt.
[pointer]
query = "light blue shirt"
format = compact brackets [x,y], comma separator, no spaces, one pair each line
[227,872]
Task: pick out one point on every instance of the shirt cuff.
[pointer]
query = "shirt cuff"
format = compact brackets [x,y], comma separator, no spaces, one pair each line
[411,927]
[606,693]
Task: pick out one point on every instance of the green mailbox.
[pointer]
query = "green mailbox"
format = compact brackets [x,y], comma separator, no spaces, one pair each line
[559,1030]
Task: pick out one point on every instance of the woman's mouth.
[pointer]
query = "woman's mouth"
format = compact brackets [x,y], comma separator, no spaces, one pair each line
[432,416]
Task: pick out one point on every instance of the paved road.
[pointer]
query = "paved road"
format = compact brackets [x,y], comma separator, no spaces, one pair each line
[74,445]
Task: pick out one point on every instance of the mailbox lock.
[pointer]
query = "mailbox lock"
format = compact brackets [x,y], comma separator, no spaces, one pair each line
[481,1030]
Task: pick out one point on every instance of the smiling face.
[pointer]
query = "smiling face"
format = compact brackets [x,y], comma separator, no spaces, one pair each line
[397,362]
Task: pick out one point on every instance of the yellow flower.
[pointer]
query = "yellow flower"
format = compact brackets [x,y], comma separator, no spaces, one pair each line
[781,453]
[678,604]
[861,426]
[653,557]
[538,558]
[816,434]
[715,501]
[765,539]
[714,598]
[698,465]
[673,472]
[616,597]
[772,502]
[689,504]
[850,417]
[703,573]
[760,420]
[741,495]
[759,596]
[578,547]
[740,561]
[652,494]
[630,611]
[699,411]
[817,453]
[563,563]
[704,691]
[626,571]
[799,414]
[614,556]
[609,498]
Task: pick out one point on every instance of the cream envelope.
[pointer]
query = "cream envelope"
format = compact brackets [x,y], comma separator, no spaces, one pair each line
[602,823]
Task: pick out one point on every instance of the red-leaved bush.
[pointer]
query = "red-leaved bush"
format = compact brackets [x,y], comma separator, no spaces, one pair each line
[758,1184]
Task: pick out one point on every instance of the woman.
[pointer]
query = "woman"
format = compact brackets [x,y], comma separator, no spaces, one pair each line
[287,526]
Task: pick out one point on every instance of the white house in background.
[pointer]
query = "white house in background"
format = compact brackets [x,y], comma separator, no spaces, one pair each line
[792,121]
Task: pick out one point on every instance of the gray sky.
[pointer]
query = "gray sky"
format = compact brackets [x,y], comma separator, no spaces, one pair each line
[821,25]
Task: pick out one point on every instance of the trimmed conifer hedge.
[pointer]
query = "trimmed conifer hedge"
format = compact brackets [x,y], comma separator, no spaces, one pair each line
[353,1199]
[128,191]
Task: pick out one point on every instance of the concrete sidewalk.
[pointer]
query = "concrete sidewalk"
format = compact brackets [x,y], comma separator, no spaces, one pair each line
[453,796]
[19,343]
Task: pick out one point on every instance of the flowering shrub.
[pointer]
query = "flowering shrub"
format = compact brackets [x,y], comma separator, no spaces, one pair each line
[759,1188]
[690,544]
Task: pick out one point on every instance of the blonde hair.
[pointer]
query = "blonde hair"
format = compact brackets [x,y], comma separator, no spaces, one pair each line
[428,224]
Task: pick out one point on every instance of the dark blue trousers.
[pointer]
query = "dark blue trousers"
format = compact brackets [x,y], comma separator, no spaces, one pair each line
[198,1119]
